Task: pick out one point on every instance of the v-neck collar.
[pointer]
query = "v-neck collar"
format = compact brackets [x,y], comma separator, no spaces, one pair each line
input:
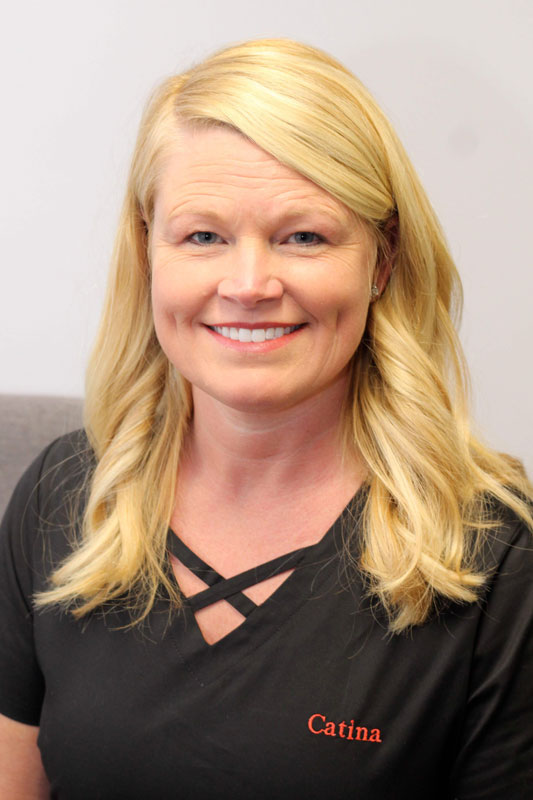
[316,566]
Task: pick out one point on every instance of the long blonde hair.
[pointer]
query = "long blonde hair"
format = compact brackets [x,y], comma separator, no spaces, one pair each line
[429,480]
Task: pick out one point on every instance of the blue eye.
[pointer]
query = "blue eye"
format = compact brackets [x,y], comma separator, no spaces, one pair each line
[204,237]
[306,238]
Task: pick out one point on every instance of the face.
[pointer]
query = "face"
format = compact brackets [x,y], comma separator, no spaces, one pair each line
[260,279]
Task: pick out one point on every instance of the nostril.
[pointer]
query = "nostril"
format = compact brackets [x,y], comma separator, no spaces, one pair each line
[250,292]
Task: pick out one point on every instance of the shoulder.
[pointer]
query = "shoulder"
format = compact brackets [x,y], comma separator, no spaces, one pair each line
[62,466]
[506,599]
[34,538]
[48,496]
[507,546]
[66,455]
[495,752]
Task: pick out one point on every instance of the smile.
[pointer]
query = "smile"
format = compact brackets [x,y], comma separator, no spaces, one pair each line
[253,334]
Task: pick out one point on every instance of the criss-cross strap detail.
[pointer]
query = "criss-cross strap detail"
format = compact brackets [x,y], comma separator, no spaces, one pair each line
[192,561]
[209,575]
[229,589]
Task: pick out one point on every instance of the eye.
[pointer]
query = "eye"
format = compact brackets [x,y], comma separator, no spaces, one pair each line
[204,238]
[305,238]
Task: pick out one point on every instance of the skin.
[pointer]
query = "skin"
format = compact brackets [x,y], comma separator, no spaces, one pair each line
[229,247]
[22,775]
[255,270]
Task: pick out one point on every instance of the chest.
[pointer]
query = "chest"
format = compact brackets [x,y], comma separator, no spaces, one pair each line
[307,698]
[236,539]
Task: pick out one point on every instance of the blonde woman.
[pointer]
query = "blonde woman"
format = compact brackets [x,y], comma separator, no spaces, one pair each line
[276,563]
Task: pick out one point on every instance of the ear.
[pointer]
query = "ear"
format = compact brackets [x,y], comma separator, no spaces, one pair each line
[387,254]
[144,217]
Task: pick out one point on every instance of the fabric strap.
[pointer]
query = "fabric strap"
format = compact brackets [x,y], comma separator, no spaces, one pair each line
[229,589]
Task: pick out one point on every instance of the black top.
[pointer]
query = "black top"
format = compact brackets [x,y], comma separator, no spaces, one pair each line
[310,697]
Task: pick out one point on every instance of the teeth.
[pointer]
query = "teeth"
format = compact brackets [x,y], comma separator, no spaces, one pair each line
[253,335]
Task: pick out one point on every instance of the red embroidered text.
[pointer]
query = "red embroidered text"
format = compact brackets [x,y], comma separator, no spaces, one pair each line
[317,723]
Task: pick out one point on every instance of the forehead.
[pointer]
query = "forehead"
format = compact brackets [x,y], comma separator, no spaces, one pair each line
[218,164]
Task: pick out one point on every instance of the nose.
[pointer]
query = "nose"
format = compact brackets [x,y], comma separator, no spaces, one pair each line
[250,279]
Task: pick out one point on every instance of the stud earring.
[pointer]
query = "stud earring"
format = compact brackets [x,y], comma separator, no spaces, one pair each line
[374,292]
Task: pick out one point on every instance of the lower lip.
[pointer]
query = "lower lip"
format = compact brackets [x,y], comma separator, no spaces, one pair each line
[255,347]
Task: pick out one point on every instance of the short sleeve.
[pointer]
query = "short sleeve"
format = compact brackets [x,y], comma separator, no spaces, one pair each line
[496,753]
[21,680]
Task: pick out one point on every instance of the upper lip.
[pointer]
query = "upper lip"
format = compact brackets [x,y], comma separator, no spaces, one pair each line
[253,325]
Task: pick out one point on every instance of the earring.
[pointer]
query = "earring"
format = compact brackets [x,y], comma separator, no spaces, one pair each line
[374,292]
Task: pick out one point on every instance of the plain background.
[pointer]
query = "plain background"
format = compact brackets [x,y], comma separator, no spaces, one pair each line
[454,77]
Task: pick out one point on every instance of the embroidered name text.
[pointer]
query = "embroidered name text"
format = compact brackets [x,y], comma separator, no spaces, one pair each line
[317,723]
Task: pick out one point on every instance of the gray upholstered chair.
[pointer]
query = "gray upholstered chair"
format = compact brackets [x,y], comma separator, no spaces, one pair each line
[27,424]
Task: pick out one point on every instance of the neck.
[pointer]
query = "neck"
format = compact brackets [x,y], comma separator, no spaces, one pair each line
[284,451]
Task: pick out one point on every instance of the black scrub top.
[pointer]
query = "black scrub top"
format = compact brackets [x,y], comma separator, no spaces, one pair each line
[310,697]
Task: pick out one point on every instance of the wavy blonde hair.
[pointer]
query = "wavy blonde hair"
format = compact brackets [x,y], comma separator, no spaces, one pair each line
[429,479]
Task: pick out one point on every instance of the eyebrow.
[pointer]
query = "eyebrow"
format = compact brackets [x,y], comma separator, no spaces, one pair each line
[277,219]
[194,212]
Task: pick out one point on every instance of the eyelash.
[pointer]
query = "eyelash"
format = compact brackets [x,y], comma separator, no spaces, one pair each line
[201,233]
[318,238]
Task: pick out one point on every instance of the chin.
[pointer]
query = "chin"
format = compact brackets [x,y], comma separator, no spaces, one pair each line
[253,399]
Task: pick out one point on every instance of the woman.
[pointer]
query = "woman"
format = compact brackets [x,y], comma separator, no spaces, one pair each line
[341,604]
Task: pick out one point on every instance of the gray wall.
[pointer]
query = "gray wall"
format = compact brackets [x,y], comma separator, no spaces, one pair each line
[455,78]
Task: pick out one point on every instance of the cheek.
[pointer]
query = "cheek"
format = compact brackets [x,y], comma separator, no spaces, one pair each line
[168,307]
[338,289]
[342,303]
[349,334]
[345,316]
[166,314]
[160,306]
[173,296]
